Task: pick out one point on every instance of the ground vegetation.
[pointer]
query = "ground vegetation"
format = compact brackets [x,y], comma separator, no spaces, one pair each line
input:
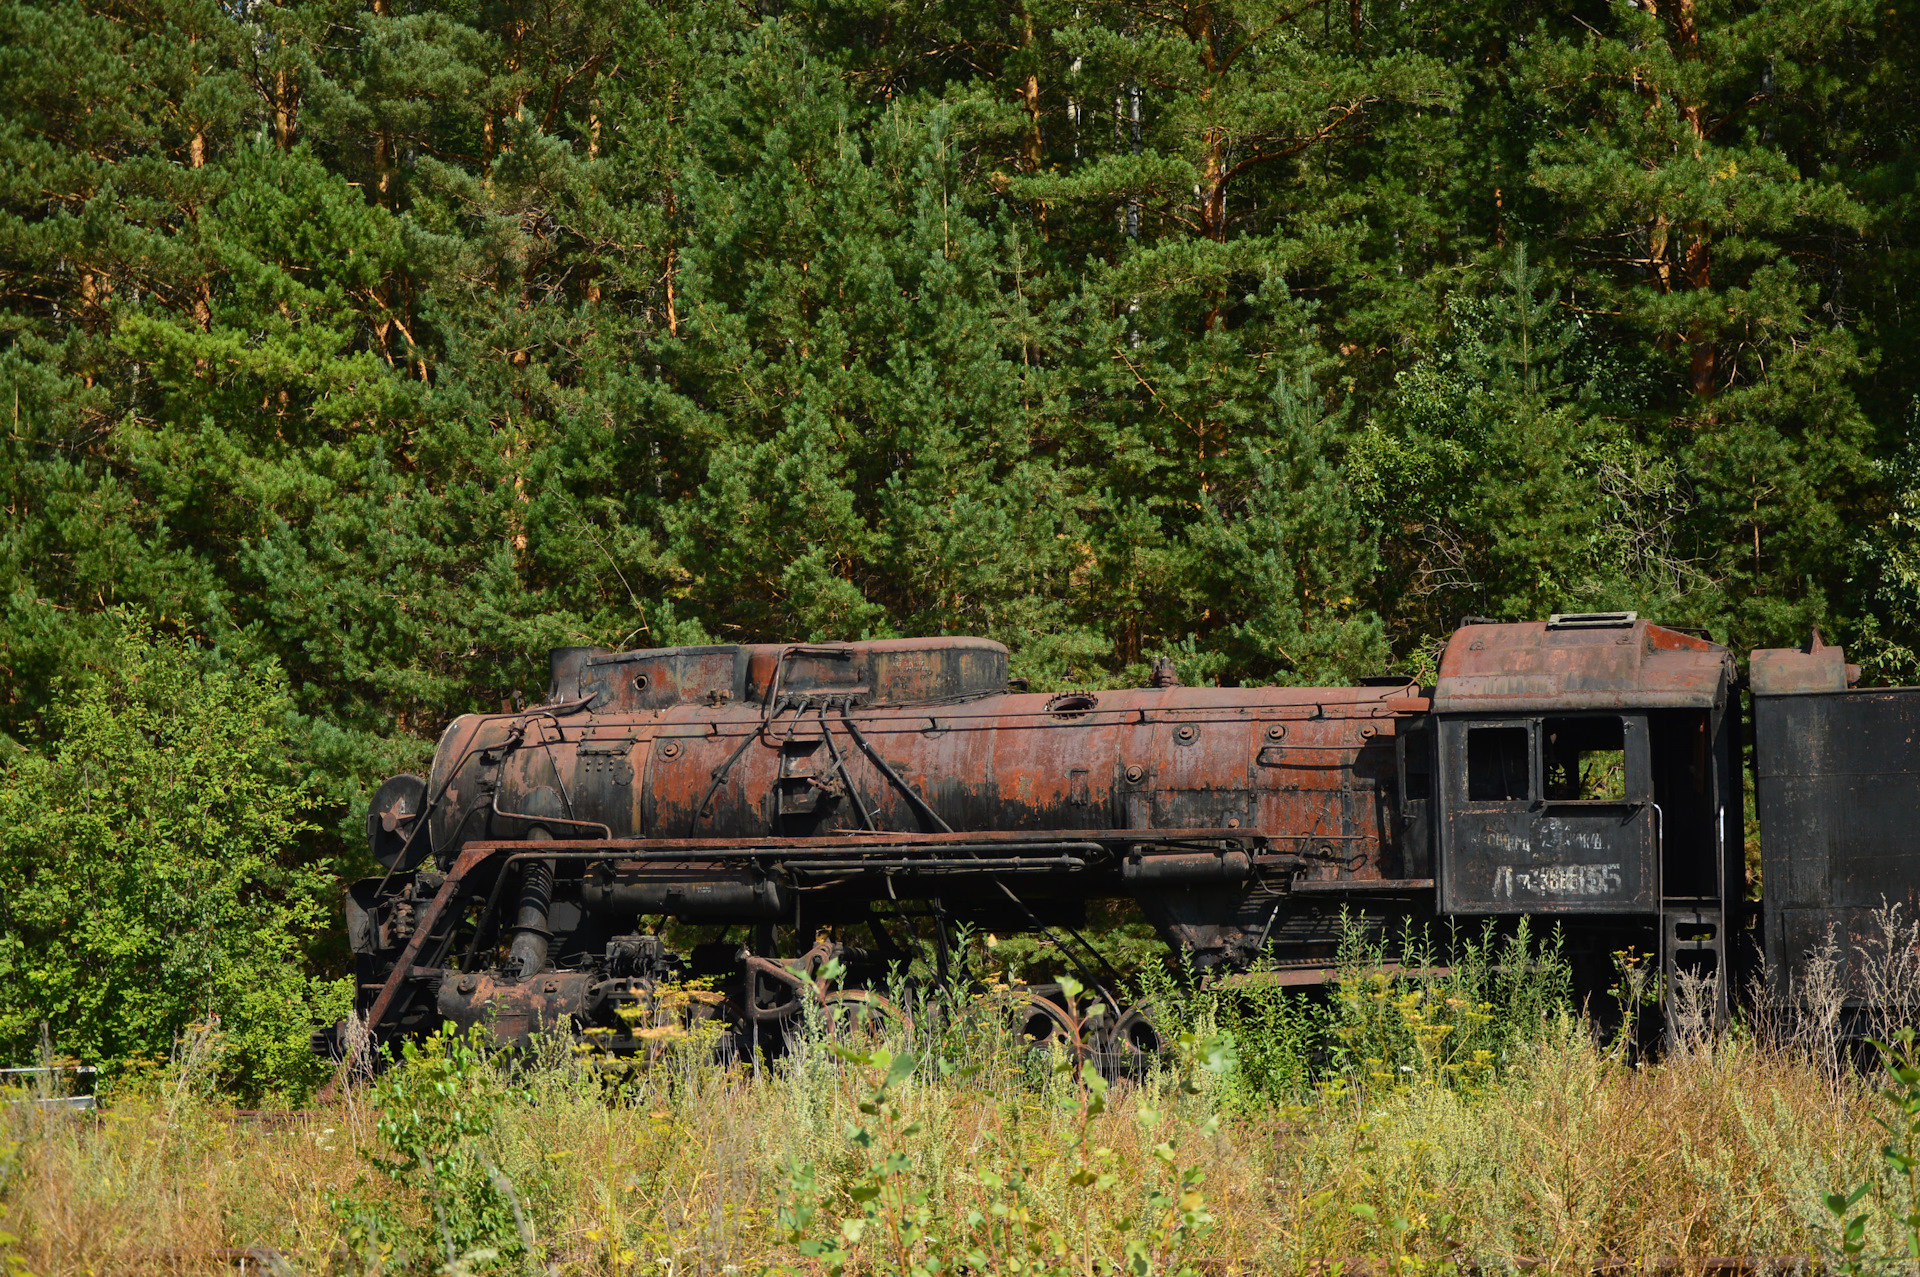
[1408,1123]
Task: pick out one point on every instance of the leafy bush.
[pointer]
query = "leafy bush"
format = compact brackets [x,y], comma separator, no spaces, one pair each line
[1396,1022]
[1397,1014]
[892,1217]
[151,872]
[446,1205]
[1893,1190]
[1275,1035]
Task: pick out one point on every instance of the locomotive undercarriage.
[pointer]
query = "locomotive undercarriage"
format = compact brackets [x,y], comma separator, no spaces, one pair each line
[624,994]
[549,936]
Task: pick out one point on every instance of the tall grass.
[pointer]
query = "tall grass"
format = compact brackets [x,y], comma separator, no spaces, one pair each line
[1405,1009]
[1450,1113]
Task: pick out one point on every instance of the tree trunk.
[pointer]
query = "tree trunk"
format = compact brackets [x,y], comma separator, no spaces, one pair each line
[1030,150]
[1213,187]
[593,153]
[285,110]
[197,145]
[1703,363]
[1032,146]
[1697,262]
[1657,252]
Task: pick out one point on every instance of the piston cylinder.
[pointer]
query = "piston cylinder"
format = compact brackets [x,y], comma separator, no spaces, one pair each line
[530,934]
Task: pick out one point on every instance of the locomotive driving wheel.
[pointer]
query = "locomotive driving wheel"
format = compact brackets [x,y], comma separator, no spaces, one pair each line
[1043,1018]
[1121,1044]
[1040,1021]
[861,1017]
[1132,1043]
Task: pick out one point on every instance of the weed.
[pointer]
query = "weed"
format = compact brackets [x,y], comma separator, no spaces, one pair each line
[1398,1015]
[1894,1189]
[437,1106]
[896,1223]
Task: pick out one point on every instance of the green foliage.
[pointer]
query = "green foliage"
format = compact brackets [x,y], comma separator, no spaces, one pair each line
[1403,1013]
[156,870]
[438,1105]
[1126,942]
[1278,1038]
[1417,1021]
[1888,643]
[891,1222]
[1891,1197]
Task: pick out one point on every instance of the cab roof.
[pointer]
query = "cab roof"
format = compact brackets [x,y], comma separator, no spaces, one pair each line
[1591,660]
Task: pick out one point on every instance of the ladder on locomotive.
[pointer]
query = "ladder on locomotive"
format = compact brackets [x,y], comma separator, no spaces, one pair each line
[1693,943]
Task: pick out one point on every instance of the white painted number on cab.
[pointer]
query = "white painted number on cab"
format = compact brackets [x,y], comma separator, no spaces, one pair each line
[1510,881]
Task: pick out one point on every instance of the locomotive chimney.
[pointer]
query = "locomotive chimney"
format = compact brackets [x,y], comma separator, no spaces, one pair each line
[566,665]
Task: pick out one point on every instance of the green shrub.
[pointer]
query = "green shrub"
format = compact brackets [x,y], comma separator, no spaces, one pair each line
[888,1215]
[1405,1011]
[1401,1011]
[446,1205]
[1274,1034]
[151,873]
[1892,1192]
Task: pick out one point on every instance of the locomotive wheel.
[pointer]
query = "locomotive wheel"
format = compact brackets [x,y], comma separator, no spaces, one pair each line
[1120,1044]
[1133,1044]
[862,1017]
[1041,1022]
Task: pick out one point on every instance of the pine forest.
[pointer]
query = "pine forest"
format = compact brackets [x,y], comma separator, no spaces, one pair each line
[387,346]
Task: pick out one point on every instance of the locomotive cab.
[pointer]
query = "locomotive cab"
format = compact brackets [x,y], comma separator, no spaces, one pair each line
[1549,814]
[1587,773]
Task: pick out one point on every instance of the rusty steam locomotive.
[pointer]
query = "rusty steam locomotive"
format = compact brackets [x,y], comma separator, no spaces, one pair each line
[833,797]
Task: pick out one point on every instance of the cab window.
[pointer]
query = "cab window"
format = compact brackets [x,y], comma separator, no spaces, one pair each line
[1496,764]
[1584,759]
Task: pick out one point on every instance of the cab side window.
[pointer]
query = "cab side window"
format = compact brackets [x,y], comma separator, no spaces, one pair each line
[1497,764]
[1585,759]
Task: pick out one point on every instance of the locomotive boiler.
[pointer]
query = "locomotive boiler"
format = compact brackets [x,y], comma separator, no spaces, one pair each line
[816,803]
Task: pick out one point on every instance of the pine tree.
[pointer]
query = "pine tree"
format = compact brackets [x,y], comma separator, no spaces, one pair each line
[1696,232]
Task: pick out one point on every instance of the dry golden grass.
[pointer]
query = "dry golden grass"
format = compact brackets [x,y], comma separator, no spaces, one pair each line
[1570,1158]
[1574,1158]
